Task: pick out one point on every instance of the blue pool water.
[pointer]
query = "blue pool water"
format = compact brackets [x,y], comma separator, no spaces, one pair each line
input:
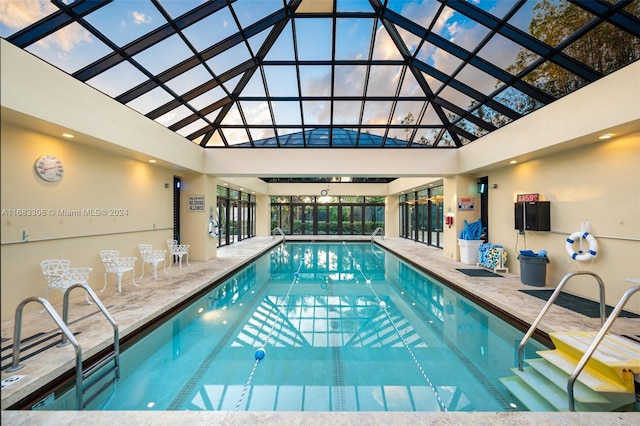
[321,327]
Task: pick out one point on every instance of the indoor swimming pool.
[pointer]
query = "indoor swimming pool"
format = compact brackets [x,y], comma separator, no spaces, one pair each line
[322,326]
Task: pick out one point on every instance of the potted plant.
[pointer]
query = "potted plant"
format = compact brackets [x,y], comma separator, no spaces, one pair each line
[469,242]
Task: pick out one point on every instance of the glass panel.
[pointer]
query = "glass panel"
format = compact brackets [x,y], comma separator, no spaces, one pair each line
[346,112]
[307,225]
[504,53]
[593,49]
[229,58]
[281,80]
[313,38]
[200,34]
[316,112]
[323,220]
[345,221]
[287,112]
[353,38]
[384,47]
[250,11]
[333,219]
[256,112]
[208,98]
[150,100]
[118,79]
[357,220]
[383,80]
[376,112]
[155,58]
[349,80]
[174,116]
[189,80]
[282,49]
[122,23]
[192,127]
[69,49]
[315,80]
[215,140]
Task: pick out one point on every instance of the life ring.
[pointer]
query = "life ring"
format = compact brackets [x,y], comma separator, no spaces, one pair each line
[213,228]
[580,256]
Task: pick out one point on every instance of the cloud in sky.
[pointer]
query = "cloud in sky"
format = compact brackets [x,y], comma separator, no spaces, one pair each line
[140,18]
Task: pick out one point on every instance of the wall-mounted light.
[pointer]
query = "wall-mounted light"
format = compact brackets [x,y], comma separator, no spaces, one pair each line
[166,185]
[494,186]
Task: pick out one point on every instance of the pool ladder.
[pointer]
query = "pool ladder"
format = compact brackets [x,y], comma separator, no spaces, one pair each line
[606,324]
[82,384]
[378,229]
[280,231]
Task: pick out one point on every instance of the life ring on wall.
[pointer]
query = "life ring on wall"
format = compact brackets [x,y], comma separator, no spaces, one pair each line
[580,256]
[213,228]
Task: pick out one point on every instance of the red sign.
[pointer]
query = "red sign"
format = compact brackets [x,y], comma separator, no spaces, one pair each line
[523,198]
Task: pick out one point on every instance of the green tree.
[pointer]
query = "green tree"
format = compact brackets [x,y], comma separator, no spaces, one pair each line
[407,121]
[604,48]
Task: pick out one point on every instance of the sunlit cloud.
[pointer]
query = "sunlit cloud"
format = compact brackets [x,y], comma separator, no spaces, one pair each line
[140,18]
[166,118]
[19,14]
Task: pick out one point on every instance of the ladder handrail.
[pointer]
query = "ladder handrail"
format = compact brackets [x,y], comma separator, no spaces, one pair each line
[15,365]
[67,335]
[378,229]
[596,342]
[552,299]
[98,302]
[277,228]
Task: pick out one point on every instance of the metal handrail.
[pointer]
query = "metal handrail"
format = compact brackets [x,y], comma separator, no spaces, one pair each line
[594,345]
[552,299]
[277,228]
[378,229]
[98,302]
[66,333]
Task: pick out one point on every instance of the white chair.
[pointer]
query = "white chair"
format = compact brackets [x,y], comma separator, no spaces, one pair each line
[114,264]
[60,276]
[177,250]
[153,257]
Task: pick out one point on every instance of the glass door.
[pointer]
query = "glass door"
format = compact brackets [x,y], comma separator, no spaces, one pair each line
[322,222]
[346,219]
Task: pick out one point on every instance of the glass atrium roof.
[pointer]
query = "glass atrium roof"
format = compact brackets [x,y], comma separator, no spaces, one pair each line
[330,73]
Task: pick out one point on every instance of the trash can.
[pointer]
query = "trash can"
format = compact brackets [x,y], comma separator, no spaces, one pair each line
[533,270]
[469,251]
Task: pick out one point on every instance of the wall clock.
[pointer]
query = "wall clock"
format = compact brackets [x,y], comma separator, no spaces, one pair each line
[49,168]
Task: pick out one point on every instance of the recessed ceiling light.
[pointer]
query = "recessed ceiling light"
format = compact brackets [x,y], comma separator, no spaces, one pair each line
[512,162]
[68,135]
[225,184]
[152,161]
[606,136]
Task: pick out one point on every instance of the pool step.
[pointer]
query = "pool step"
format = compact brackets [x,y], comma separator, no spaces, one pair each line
[605,384]
[614,358]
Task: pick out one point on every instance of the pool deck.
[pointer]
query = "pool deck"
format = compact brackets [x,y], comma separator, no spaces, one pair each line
[136,306]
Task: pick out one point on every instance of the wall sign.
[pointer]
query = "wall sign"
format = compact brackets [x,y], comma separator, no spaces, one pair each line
[466,204]
[196,203]
[523,198]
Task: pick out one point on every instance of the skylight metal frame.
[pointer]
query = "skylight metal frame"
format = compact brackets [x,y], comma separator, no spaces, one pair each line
[450,129]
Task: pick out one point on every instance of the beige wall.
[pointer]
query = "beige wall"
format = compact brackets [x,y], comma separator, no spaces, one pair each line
[92,180]
[599,183]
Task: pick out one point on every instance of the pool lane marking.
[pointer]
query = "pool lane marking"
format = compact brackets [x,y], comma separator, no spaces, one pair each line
[383,306]
[296,278]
